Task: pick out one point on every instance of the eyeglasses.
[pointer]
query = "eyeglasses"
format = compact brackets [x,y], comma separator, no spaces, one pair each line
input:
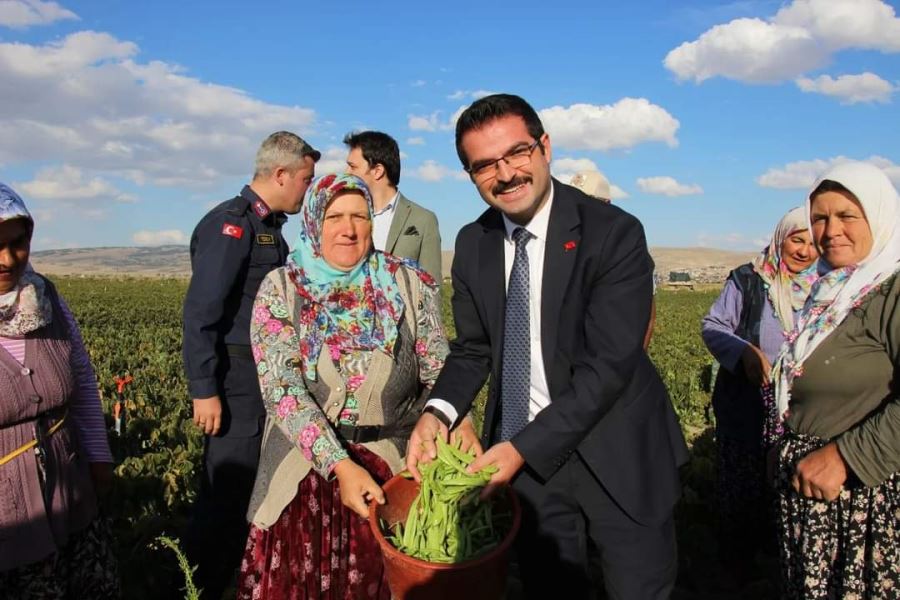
[515,159]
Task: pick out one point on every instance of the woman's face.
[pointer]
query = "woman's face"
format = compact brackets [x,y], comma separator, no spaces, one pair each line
[15,247]
[346,230]
[840,229]
[798,251]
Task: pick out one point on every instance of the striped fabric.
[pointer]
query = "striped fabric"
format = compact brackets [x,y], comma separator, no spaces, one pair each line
[85,409]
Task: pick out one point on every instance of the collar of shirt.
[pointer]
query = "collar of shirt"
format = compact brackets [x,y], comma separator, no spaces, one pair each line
[273,217]
[538,224]
[389,207]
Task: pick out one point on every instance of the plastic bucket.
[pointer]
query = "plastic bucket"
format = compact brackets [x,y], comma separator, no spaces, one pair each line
[482,578]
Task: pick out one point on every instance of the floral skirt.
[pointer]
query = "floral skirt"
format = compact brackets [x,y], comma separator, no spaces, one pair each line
[848,548]
[318,549]
[85,567]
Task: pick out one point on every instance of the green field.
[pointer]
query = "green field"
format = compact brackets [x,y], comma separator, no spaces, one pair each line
[134,327]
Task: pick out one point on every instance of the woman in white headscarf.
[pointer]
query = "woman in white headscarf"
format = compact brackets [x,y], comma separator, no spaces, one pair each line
[744,331]
[838,462]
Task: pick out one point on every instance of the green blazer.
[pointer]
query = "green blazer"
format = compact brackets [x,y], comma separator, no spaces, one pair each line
[414,234]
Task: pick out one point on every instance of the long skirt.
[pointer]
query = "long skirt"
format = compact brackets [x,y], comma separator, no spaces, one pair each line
[318,549]
[848,548]
[742,500]
[85,567]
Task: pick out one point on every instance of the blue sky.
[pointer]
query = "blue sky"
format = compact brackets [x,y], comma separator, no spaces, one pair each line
[122,123]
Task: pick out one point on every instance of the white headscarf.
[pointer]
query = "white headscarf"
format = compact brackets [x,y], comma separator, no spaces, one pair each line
[840,290]
[787,291]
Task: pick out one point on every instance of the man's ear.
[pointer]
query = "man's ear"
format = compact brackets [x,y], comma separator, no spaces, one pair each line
[378,171]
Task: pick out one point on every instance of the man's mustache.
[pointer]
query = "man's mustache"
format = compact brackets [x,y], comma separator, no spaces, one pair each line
[501,187]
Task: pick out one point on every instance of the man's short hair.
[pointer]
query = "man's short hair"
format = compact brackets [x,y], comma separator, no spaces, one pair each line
[493,107]
[282,149]
[378,148]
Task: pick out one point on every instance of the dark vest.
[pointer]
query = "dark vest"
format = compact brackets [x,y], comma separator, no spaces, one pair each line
[736,401]
[37,518]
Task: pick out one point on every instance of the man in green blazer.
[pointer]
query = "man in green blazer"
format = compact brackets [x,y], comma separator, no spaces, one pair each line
[401,227]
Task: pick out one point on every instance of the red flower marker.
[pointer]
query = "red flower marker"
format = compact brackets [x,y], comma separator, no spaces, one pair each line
[570,245]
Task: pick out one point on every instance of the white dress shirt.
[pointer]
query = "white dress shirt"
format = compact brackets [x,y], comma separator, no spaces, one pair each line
[381,223]
[540,391]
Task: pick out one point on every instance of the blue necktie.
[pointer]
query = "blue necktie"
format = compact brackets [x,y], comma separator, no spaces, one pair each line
[515,383]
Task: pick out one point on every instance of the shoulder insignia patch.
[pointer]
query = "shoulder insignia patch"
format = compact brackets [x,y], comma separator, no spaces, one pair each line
[235,231]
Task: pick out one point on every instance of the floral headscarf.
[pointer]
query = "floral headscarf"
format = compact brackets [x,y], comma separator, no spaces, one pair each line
[346,310]
[840,290]
[787,291]
[26,307]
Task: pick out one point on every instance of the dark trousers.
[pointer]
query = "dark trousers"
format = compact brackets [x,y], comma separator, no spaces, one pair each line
[561,515]
[218,530]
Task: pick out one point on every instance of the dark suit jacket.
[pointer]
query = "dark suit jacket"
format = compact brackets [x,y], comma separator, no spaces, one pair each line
[414,234]
[608,403]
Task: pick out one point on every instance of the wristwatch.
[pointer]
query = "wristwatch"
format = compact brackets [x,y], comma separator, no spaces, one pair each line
[440,415]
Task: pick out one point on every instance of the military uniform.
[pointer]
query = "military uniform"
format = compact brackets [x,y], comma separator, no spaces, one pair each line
[232,249]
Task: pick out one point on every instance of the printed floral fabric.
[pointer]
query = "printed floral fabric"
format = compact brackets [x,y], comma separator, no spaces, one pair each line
[848,548]
[281,353]
[787,291]
[345,311]
[318,549]
[25,308]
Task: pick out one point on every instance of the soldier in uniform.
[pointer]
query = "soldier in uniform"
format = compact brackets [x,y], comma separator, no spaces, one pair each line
[232,249]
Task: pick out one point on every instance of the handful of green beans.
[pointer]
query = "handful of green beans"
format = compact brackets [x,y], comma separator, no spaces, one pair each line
[447,521]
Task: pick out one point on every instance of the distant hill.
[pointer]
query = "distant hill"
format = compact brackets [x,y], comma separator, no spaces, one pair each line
[704,264]
[156,261]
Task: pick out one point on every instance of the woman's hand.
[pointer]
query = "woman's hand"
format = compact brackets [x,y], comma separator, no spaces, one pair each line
[756,365]
[821,474]
[465,431]
[422,446]
[357,487]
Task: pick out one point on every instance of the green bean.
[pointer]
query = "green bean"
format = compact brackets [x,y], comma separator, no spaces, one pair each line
[446,521]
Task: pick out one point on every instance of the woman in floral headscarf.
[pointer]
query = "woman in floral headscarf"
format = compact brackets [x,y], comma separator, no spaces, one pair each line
[744,331]
[54,455]
[836,390]
[348,342]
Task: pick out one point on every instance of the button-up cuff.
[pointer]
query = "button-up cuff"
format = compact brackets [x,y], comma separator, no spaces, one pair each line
[446,408]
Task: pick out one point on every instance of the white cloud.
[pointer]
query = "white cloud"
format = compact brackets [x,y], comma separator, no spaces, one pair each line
[419,83]
[433,171]
[25,13]
[850,89]
[415,141]
[159,238]
[86,101]
[433,122]
[667,186]
[423,122]
[69,183]
[474,95]
[625,124]
[334,160]
[800,37]
[803,173]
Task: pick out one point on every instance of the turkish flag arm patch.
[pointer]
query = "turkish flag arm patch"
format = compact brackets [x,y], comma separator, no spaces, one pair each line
[234,231]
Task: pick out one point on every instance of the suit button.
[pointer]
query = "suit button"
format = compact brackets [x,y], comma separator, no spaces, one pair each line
[25,371]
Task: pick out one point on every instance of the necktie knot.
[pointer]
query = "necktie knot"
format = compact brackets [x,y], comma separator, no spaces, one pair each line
[520,236]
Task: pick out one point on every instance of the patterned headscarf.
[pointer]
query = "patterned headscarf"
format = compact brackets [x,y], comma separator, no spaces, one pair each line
[787,291]
[346,310]
[840,290]
[25,308]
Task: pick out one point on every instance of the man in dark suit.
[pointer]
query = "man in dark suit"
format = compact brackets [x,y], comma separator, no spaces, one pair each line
[400,226]
[552,293]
